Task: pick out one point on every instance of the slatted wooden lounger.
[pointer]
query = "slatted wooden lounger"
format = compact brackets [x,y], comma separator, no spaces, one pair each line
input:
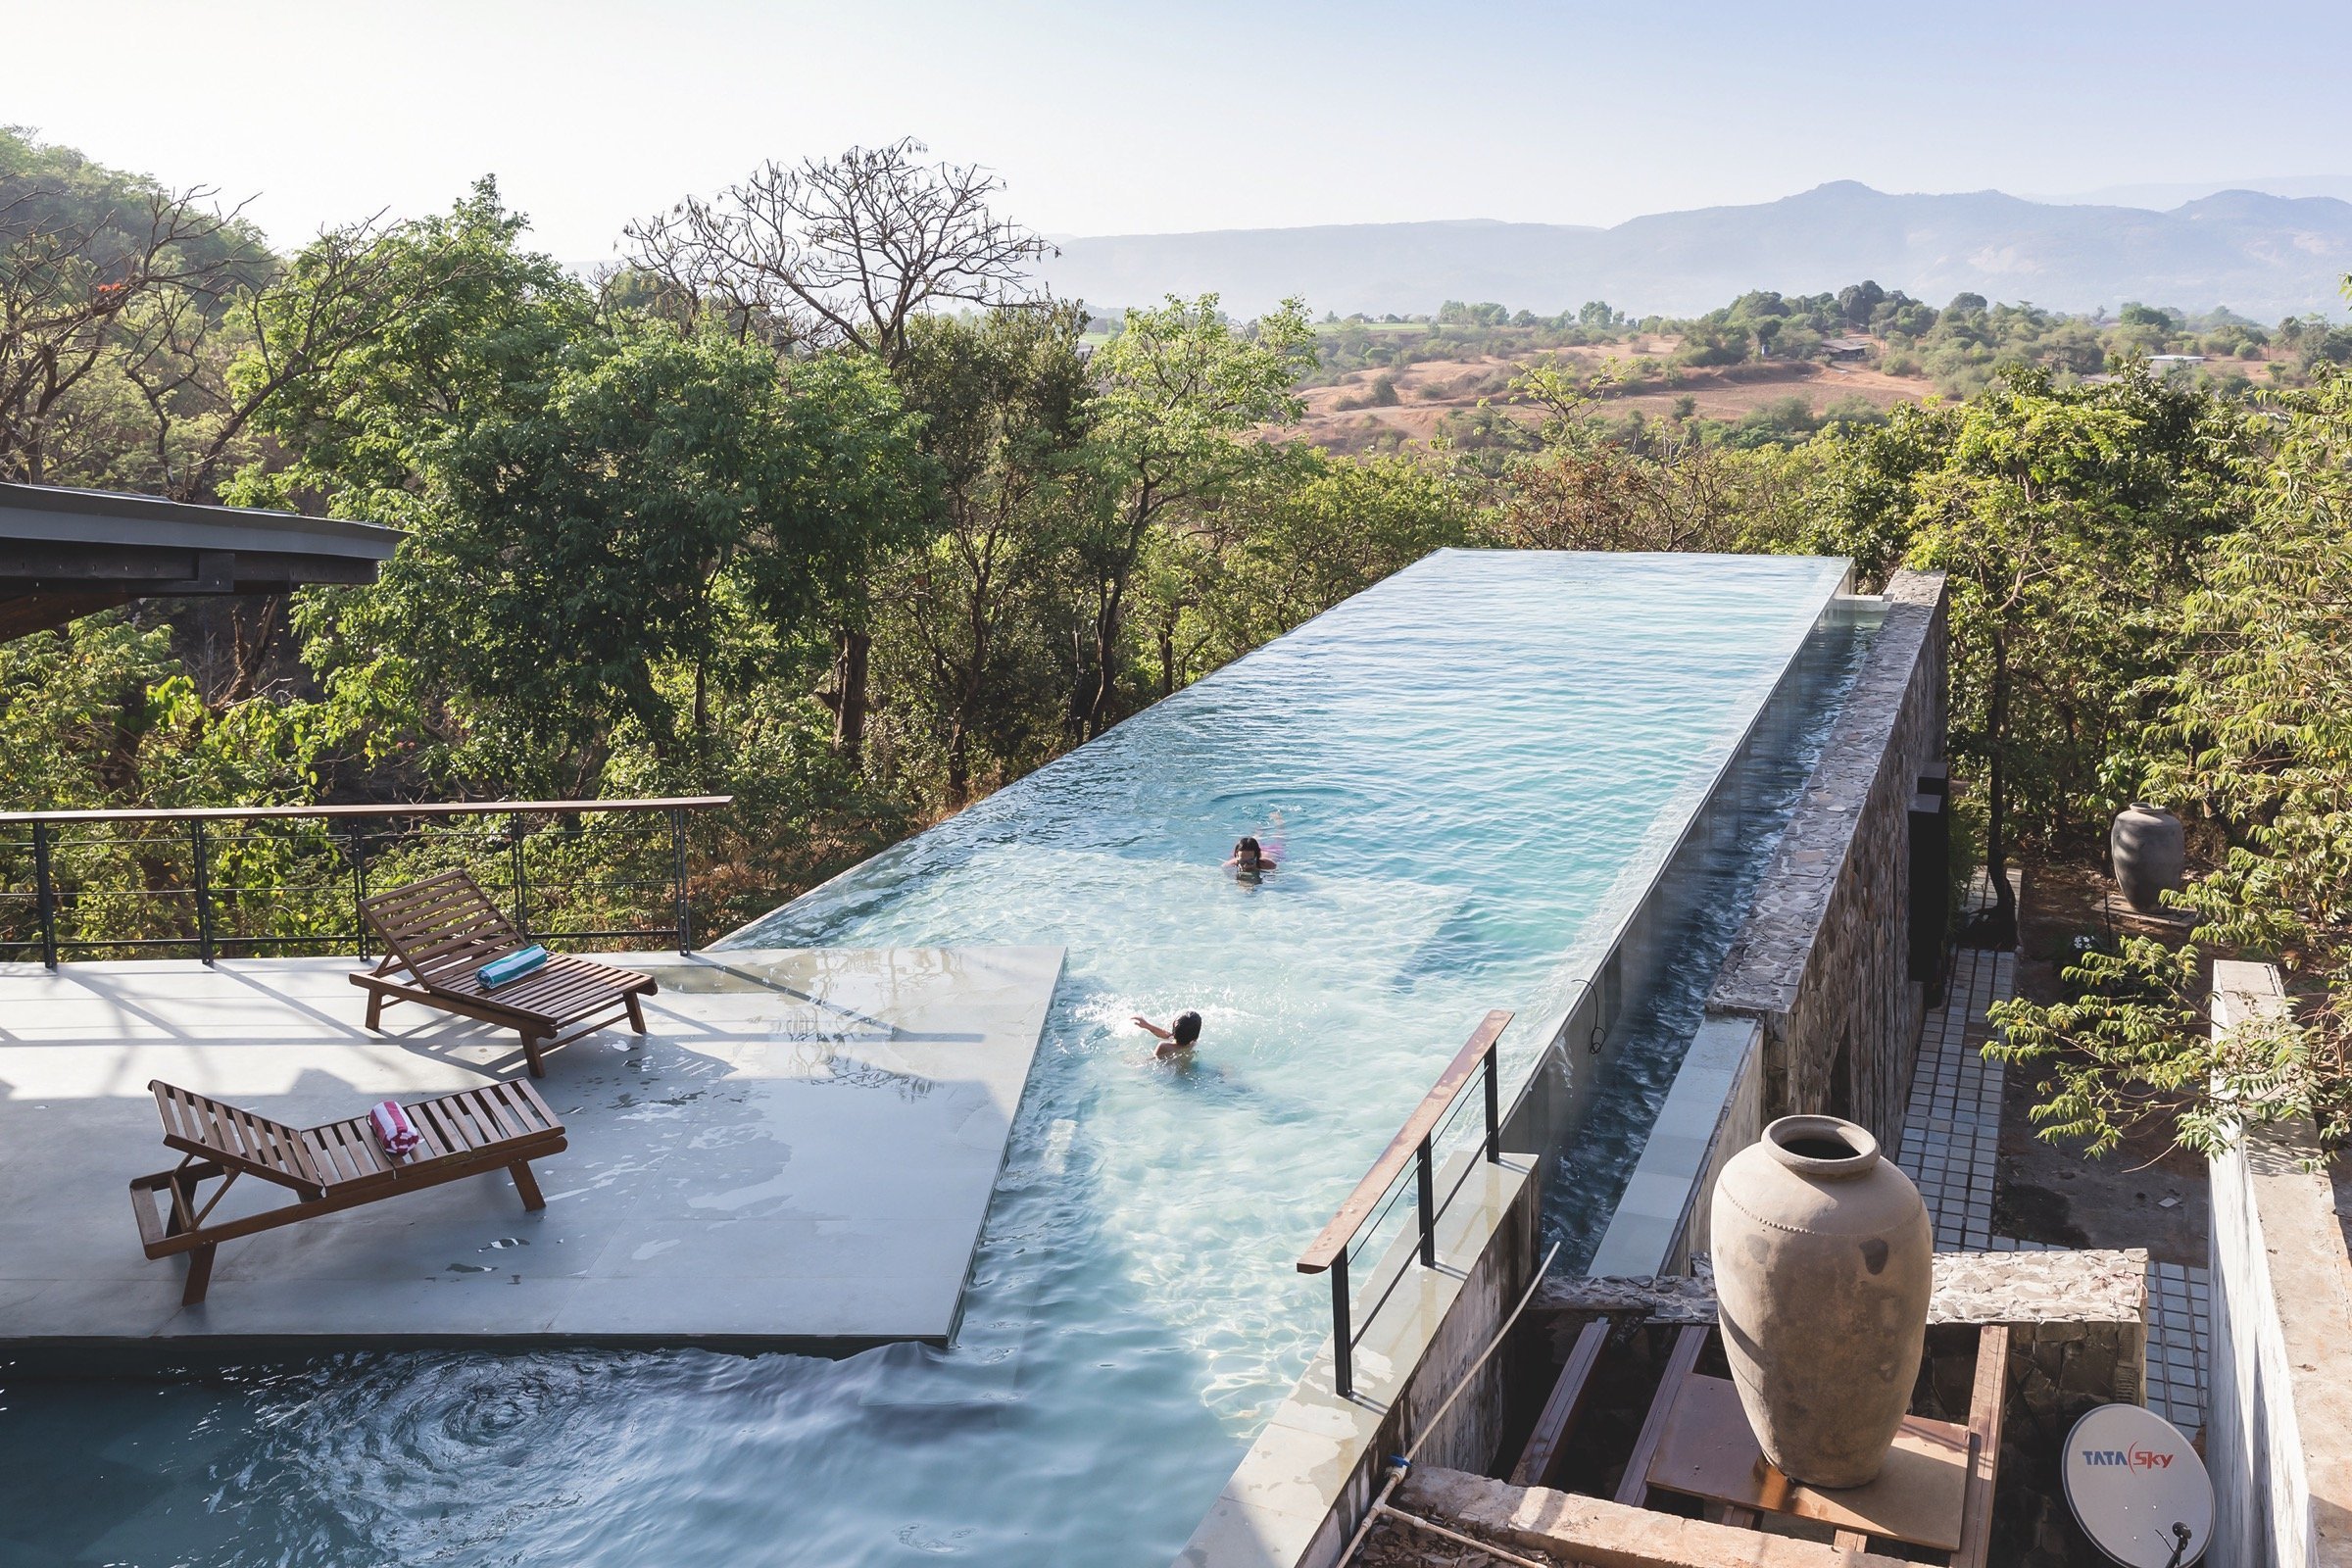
[440,931]
[339,1165]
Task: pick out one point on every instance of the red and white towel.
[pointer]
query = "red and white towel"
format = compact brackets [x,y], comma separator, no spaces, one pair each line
[393,1129]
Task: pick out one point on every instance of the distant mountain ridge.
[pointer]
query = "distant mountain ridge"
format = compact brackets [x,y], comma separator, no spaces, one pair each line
[2261,254]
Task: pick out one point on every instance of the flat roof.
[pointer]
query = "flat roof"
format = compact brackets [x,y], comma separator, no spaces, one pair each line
[798,1154]
[57,514]
[66,553]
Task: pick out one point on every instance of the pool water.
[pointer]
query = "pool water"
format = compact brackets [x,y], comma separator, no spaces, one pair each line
[1471,768]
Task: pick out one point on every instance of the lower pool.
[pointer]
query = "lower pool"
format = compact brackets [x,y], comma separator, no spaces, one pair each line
[1470,768]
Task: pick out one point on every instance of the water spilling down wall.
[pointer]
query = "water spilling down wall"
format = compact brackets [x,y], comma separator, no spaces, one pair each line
[1815,1008]
[1823,962]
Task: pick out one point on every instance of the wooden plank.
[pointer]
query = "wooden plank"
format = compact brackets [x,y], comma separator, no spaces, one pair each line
[1849,1540]
[328,1155]
[1985,1455]
[1559,1413]
[1601,1533]
[444,1115]
[1342,1227]
[518,1090]
[493,1111]
[1708,1450]
[1634,1486]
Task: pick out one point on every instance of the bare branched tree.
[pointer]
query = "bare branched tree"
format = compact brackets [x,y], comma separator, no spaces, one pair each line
[844,250]
[65,285]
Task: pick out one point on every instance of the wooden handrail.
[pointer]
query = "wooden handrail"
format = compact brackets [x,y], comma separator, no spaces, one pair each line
[226,813]
[1336,1235]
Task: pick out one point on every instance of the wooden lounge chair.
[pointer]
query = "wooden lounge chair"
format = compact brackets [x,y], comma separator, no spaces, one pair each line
[439,932]
[340,1165]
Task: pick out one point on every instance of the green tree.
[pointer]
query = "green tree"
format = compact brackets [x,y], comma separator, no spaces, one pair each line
[2068,520]
[967,622]
[606,516]
[1181,392]
[2253,741]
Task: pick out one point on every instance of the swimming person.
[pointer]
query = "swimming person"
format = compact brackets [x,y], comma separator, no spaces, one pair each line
[1249,862]
[1175,1040]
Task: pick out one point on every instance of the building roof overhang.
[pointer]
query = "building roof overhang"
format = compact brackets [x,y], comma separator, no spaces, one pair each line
[66,552]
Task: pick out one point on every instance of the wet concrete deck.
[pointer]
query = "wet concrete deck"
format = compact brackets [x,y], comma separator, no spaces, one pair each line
[800,1153]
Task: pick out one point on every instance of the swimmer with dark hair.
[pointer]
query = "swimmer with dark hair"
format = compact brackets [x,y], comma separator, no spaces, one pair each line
[1179,1037]
[1249,861]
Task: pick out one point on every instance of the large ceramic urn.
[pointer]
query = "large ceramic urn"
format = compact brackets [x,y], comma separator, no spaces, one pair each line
[2149,853]
[1822,1270]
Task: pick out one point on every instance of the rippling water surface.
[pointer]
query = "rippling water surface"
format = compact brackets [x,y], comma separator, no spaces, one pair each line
[1467,766]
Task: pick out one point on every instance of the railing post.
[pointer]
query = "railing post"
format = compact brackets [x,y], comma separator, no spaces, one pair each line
[359,885]
[44,892]
[1493,1109]
[1425,1180]
[1342,1349]
[514,859]
[678,856]
[204,892]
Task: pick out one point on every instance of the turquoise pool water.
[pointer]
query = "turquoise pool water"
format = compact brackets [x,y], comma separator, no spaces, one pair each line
[1475,767]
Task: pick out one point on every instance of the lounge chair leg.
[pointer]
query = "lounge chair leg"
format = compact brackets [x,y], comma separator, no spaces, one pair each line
[200,1274]
[636,1012]
[375,1012]
[527,1185]
[530,1053]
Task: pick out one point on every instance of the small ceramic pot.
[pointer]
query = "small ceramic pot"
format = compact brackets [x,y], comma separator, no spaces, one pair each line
[2150,854]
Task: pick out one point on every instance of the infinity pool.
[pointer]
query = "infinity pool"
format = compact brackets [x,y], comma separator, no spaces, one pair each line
[1472,768]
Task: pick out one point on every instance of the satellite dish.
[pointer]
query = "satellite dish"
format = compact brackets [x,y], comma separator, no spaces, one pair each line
[2137,1488]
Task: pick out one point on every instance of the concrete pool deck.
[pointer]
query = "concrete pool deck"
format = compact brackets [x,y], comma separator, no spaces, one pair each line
[798,1154]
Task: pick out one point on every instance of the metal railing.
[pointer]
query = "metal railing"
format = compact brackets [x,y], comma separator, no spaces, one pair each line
[227,881]
[1413,1149]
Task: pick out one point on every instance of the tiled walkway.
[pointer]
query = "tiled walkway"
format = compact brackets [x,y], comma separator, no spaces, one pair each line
[1951,1147]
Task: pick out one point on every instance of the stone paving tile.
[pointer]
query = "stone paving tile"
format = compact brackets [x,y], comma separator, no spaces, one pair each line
[1951,1149]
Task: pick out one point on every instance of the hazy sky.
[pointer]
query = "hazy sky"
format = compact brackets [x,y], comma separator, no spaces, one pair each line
[1119,118]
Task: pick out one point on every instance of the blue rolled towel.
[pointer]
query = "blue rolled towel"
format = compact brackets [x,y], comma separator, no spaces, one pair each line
[511,966]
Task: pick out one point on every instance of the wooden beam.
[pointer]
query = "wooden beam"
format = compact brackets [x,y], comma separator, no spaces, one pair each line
[1634,1486]
[26,614]
[1985,1454]
[1601,1534]
[1550,1436]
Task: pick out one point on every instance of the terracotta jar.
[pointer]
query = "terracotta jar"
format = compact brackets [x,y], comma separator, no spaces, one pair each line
[2149,853]
[1823,1259]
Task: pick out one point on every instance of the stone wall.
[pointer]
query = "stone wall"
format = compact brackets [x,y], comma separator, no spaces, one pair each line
[1822,962]
[2279,1420]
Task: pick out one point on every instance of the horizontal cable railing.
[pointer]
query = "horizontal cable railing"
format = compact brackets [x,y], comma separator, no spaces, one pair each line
[212,882]
[1408,1164]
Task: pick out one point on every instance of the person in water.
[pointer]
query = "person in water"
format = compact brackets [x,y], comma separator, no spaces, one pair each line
[1179,1037]
[1248,861]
